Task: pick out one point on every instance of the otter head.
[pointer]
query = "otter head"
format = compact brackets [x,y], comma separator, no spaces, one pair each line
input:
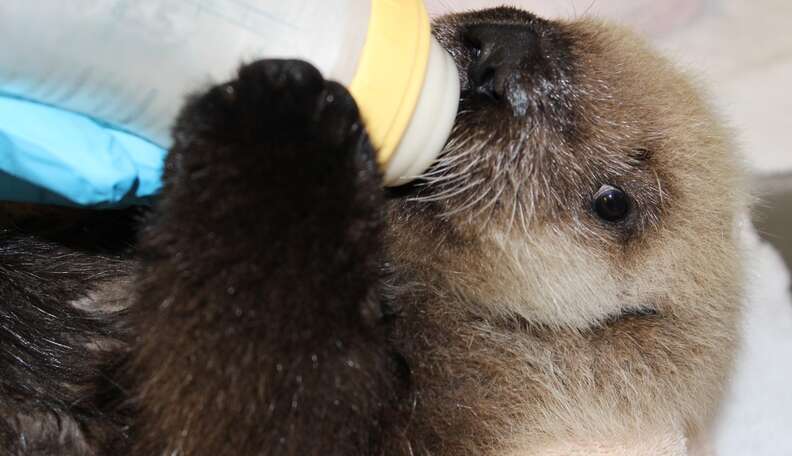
[585,178]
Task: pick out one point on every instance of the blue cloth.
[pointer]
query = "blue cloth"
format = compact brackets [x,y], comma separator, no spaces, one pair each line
[52,156]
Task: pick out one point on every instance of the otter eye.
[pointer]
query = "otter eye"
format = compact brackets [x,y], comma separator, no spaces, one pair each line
[611,204]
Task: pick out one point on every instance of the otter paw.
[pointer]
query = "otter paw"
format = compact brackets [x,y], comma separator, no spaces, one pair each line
[275,101]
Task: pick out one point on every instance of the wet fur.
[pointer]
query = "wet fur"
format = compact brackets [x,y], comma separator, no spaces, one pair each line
[279,302]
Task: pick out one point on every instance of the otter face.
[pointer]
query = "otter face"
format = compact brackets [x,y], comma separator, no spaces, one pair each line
[584,178]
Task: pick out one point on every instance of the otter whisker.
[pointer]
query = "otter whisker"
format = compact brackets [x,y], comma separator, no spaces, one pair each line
[443,165]
[453,191]
[470,202]
[523,216]
[458,153]
[496,197]
[513,214]
[457,174]
[659,188]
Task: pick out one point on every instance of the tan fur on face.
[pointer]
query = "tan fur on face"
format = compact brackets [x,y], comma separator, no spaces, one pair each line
[520,323]
[654,442]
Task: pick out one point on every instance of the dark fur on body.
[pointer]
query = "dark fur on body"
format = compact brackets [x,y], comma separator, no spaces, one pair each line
[280,302]
[55,358]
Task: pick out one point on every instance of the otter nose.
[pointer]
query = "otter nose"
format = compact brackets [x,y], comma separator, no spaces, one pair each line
[500,54]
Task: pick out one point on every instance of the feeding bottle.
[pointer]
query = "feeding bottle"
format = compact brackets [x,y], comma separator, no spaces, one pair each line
[131,63]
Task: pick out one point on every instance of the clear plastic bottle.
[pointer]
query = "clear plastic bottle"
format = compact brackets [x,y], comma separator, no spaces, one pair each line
[130,63]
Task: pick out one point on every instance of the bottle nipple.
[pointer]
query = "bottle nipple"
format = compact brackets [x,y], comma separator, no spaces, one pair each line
[407,89]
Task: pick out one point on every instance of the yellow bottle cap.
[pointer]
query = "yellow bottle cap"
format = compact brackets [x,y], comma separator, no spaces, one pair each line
[391,70]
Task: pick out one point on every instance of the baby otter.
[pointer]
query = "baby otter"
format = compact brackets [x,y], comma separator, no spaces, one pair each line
[573,255]
[568,269]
